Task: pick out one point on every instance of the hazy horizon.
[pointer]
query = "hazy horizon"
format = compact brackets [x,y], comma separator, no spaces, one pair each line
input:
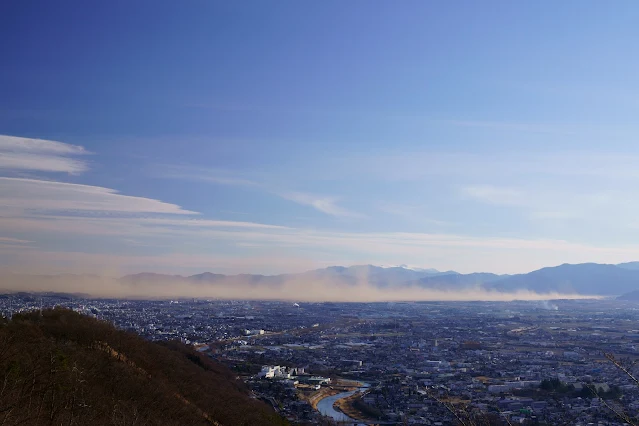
[195,272]
[357,283]
[287,137]
[290,290]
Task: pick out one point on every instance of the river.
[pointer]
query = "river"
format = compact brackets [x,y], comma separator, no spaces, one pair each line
[325,406]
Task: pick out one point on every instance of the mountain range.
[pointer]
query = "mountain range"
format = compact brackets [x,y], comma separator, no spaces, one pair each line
[585,278]
[348,282]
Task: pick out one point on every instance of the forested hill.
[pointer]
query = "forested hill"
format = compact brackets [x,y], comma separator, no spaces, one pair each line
[62,368]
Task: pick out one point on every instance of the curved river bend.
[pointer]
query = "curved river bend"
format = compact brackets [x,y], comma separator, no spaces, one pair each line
[325,406]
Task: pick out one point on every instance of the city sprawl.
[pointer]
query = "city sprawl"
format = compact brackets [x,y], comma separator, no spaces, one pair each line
[430,363]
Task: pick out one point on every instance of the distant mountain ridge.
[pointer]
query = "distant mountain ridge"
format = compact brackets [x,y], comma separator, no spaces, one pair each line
[351,275]
[582,279]
[475,279]
[585,278]
[632,296]
[629,265]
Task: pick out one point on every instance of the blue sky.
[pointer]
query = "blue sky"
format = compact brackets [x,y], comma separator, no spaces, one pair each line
[282,136]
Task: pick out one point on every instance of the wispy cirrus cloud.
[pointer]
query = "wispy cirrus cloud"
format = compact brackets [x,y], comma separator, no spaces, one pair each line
[17,153]
[494,194]
[555,214]
[172,231]
[322,203]
[493,166]
[4,240]
[63,210]
[202,174]
[411,213]
[327,205]
[212,241]
[535,204]
[606,209]
[33,194]
[519,127]
[39,206]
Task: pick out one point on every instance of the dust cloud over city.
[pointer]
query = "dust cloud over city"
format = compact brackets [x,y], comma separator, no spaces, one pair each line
[235,287]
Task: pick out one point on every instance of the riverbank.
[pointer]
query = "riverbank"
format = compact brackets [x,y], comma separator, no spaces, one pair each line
[347,406]
[327,406]
[317,396]
[338,386]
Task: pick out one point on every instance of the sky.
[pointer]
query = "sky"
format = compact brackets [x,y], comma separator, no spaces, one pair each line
[271,137]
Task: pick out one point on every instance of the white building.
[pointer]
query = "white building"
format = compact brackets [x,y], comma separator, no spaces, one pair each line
[273,371]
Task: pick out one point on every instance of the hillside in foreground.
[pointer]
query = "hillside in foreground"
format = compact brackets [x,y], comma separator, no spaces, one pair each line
[60,367]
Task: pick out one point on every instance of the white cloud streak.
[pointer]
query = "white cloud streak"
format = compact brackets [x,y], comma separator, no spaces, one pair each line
[324,204]
[33,194]
[18,153]
[424,165]
[9,240]
[201,174]
[412,213]
[327,205]
[610,209]
[494,194]
[14,143]
[35,207]
[31,207]
[444,251]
